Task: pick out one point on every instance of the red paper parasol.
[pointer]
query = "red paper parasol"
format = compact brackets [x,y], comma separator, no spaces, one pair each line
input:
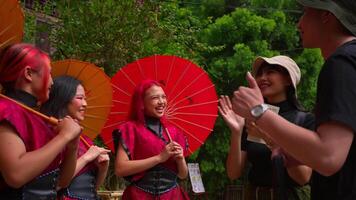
[11,22]
[97,89]
[192,99]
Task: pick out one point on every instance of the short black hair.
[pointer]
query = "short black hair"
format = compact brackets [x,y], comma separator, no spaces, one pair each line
[62,92]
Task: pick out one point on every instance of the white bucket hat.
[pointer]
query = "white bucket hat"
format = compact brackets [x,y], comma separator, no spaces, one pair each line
[283,61]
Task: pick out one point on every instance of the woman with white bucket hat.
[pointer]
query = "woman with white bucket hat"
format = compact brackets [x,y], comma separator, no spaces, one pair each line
[331,26]
[273,174]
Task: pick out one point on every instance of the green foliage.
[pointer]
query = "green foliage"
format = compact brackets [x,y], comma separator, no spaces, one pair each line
[212,8]
[310,62]
[30,28]
[108,33]
[179,30]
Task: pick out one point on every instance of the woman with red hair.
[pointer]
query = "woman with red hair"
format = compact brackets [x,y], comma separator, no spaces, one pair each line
[30,149]
[150,151]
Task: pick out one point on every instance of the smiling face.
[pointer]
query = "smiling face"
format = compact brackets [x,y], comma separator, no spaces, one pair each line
[273,81]
[77,106]
[155,102]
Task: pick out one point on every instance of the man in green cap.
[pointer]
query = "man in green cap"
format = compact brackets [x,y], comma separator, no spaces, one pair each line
[331,150]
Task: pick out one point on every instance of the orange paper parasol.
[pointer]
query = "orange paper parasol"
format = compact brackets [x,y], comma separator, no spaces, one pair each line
[97,88]
[192,99]
[11,22]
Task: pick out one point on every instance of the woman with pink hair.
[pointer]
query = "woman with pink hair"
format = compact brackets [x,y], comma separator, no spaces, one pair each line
[150,151]
[30,149]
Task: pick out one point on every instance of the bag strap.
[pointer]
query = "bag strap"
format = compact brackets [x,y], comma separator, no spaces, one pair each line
[300,118]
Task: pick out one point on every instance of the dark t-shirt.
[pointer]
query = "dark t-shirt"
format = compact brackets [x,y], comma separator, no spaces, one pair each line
[336,101]
[259,155]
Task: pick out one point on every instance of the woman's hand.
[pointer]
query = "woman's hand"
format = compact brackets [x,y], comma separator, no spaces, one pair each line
[167,152]
[233,121]
[102,161]
[178,151]
[94,152]
[69,128]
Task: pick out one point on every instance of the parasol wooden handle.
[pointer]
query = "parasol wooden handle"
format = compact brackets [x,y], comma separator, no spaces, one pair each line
[169,135]
[51,120]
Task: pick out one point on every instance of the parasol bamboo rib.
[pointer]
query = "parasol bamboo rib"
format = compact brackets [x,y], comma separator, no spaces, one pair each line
[171,110]
[192,95]
[139,68]
[88,127]
[186,87]
[194,124]
[6,42]
[95,97]
[179,79]
[117,113]
[51,120]
[97,85]
[117,101]
[170,70]
[5,29]
[194,114]
[155,66]
[115,87]
[11,23]
[82,70]
[190,134]
[102,106]
[95,117]
[67,69]
[128,78]
[114,124]
[88,78]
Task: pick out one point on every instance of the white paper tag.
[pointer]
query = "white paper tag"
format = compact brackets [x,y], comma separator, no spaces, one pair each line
[257,139]
[273,108]
[195,178]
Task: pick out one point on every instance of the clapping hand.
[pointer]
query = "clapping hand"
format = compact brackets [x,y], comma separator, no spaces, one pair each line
[233,121]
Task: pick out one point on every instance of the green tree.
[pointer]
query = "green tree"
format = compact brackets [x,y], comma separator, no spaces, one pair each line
[179,33]
[108,33]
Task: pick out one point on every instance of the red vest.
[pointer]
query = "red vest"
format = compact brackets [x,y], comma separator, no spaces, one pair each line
[33,131]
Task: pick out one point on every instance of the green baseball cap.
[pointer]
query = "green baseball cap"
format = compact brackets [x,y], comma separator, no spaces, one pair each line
[344,10]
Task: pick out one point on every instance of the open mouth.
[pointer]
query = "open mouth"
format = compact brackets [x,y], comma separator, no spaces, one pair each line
[264,85]
[160,109]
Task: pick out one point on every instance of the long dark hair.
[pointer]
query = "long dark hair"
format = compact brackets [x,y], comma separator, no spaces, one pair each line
[290,91]
[62,92]
[292,99]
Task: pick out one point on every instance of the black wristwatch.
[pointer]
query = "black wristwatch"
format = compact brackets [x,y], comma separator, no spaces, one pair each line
[258,110]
